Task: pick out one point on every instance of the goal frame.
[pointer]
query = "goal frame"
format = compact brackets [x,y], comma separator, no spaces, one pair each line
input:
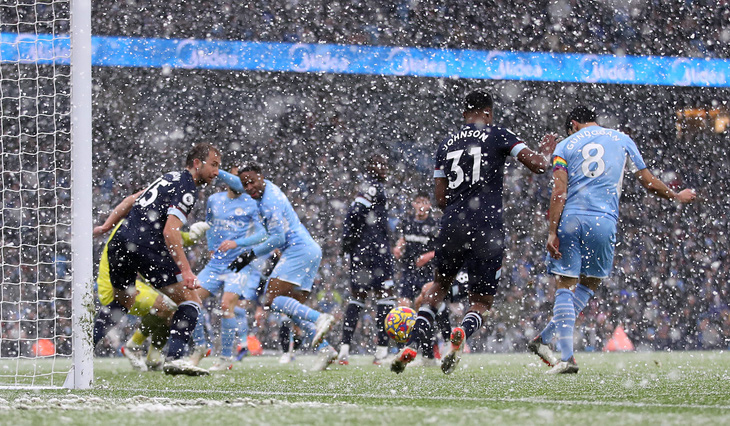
[81,374]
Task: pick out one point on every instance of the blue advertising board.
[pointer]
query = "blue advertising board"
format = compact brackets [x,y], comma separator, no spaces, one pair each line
[374,60]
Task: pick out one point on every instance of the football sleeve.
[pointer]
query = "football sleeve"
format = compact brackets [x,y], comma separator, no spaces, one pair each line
[275,232]
[634,155]
[182,201]
[510,143]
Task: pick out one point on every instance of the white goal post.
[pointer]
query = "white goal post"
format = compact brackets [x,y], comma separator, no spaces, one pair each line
[46,248]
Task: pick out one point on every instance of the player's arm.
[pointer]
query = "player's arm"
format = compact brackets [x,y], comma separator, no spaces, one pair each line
[231,180]
[442,186]
[425,258]
[654,185]
[539,162]
[275,238]
[120,212]
[256,238]
[174,242]
[400,245]
[557,204]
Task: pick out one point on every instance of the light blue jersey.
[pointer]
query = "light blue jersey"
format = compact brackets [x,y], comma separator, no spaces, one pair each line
[594,159]
[235,219]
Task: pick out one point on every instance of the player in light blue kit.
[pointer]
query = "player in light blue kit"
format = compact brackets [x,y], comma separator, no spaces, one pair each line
[290,283]
[588,169]
[235,226]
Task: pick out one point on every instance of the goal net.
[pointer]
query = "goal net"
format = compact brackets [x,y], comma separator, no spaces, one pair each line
[45,277]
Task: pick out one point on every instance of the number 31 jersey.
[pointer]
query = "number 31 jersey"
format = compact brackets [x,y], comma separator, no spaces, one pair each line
[171,194]
[594,159]
[472,160]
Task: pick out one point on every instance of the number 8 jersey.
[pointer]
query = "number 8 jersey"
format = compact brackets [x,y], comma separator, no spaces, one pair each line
[472,160]
[172,194]
[595,158]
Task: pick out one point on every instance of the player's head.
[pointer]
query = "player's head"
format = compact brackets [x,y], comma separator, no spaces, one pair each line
[203,162]
[252,179]
[421,204]
[579,115]
[378,166]
[478,107]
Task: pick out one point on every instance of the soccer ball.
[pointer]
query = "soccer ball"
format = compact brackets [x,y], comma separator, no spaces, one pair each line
[399,323]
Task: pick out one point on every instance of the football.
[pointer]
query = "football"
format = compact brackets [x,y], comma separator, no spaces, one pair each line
[399,323]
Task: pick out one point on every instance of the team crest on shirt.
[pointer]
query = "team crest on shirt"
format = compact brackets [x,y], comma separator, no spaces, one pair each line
[188,199]
[238,211]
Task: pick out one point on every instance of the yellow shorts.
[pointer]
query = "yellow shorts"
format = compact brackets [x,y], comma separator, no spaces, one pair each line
[146,294]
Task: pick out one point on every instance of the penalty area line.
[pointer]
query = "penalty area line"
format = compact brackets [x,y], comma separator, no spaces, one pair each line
[437,398]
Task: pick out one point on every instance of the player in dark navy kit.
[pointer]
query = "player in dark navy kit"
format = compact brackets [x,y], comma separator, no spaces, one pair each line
[469,174]
[366,240]
[415,249]
[149,242]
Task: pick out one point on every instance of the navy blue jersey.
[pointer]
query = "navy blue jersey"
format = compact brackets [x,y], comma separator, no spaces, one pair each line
[472,160]
[366,235]
[419,236]
[172,194]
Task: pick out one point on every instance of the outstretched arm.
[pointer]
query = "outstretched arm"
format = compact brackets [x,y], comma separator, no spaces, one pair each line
[654,185]
[557,204]
[120,212]
[539,162]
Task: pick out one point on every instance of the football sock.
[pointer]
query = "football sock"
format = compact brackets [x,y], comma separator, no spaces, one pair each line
[199,331]
[443,321]
[352,316]
[137,338]
[564,317]
[384,306]
[105,319]
[228,336]
[285,336]
[427,344]
[242,324]
[160,335]
[182,326]
[309,330]
[581,296]
[422,328]
[294,309]
[472,322]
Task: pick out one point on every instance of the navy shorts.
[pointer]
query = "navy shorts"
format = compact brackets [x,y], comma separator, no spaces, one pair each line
[126,260]
[476,249]
[412,284]
[371,275]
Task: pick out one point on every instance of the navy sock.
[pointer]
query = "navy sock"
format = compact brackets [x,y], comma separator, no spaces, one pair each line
[349,325]
[444,321]
[472,322]
[422,327]
[384,307]
[181,328]
[107,317]
[285,336]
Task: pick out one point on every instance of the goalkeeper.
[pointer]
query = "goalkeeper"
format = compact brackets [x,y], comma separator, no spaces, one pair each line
[154,308]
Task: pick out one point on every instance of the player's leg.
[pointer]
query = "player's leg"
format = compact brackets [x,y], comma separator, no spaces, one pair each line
[286,341]
[385,302]
[229,327]
[241,314]
[210,284]
[422,329]
[184,319]
[359,279]
[568,266]
[294,275]
[147,303]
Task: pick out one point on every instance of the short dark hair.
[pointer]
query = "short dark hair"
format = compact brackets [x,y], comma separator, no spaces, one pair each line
[199,152]
[581,114]
[478,100]
[249,166]
[422,194]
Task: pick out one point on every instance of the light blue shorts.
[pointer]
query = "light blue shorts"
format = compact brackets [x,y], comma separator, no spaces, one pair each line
[299,265]
[252,276]
[216,277]
[587,245]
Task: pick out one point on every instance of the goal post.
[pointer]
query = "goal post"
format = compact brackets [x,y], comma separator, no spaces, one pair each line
[82,369]
[46,252]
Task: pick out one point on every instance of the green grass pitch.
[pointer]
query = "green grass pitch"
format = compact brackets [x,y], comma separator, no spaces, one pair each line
[627,388]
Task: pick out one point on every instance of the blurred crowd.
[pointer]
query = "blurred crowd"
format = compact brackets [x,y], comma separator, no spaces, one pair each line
[312,133]
[698,28]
